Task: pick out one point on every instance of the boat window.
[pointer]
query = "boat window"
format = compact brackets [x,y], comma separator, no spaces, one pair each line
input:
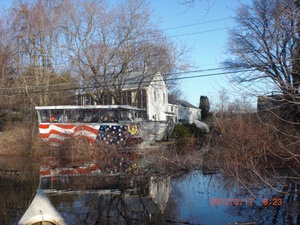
[56,116]
[44,116]
[71,115]
[84,115]
[130,115]
[91,115]
[127,115]
[108,116]
[140,115]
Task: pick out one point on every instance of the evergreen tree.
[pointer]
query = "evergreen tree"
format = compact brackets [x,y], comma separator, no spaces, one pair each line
[205,107]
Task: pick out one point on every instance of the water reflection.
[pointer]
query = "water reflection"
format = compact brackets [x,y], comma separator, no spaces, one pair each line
[87,194]
[19,179]
[90,194]
[193,194]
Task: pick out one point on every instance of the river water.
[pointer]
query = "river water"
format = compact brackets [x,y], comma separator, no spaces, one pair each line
[88,194]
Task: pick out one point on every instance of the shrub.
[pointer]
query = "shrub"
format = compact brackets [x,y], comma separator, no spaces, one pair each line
[19,139]
[181,130]
[188,130]
[247,148]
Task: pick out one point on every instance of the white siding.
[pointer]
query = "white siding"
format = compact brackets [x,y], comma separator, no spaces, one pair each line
[158,107]
[184,113]
[156,91]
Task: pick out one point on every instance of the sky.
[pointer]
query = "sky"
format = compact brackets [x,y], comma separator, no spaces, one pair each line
[207,39]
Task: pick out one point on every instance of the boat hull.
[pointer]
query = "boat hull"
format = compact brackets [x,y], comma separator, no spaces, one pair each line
[109,133]
[41,210]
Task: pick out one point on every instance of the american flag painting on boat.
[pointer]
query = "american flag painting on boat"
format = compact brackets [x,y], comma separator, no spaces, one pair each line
[57,133]
[110,124]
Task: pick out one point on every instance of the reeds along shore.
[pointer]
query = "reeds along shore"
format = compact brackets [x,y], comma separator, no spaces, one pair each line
[238,145]
[20,139]
[251,149]
[181,154]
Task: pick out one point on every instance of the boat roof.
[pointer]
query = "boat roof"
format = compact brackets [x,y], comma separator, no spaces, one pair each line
[128,107]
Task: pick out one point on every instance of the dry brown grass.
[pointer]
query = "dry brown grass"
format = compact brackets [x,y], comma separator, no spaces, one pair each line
[185,154]
[75,150]
[250,150]
[22,140]
[19,139]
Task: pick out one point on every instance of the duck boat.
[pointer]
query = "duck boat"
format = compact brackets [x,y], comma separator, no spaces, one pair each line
[41,211]
[110,124]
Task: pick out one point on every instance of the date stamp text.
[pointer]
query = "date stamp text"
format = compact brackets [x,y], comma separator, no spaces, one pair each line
[234,201]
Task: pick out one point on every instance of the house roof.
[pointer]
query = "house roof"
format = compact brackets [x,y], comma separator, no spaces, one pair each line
[132,80]
[182,103]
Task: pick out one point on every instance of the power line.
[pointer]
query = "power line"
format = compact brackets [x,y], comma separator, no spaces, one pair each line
[169,74]
[195,24]
[202,32]
[91,87]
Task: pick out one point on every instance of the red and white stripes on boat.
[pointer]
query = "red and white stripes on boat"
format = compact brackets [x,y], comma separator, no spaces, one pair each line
[57,133]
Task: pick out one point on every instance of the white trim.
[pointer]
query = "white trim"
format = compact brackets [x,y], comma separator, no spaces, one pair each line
[89,107]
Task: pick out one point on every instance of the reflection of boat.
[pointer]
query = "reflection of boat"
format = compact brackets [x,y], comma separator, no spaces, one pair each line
[41,211]
[86,194]
[111,124]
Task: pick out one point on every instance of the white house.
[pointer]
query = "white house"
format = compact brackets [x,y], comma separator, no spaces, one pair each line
[157,96]
[183,111]
[149,93]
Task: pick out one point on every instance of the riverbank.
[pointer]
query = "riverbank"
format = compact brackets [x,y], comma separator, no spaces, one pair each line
[21,139]
[255,151]
[241,147]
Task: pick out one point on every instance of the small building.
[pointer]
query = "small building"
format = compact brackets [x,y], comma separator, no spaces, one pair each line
[182,111]
[277,106]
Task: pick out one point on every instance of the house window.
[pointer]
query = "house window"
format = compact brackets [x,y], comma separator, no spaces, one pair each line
[144,99]
[79,100]
[128,98]
[107,99]
[164,97]
[141,99]
[171,108]
[125,98]
[154,96]
[88,100]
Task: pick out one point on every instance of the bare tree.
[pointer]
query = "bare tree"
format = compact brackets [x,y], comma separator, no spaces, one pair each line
[99,44]
[223,101]
[105,44]
[265,41]
[28,31]
[266,44]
